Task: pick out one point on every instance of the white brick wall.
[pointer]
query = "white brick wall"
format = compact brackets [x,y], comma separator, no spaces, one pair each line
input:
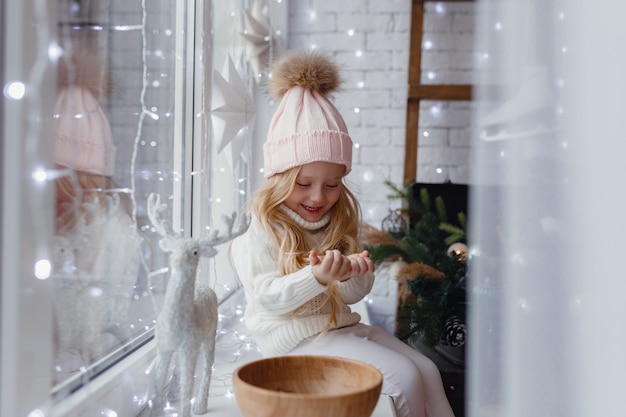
[370,40]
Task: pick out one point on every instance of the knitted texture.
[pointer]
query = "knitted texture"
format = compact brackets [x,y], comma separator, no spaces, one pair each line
[306,126]
[283,310]
[83,135]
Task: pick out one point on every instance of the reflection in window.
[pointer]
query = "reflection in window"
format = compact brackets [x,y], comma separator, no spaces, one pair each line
[128,115]
[113,140]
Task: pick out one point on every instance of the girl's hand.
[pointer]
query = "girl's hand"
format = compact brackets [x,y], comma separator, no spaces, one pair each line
[335,266]
[332,267]
[361,264]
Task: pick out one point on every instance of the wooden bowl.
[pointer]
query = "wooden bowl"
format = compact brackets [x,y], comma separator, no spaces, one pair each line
[307,386]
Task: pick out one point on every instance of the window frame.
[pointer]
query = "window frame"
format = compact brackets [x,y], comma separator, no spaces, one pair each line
[26,301]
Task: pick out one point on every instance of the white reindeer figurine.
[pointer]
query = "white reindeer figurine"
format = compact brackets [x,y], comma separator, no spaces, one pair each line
[187,322]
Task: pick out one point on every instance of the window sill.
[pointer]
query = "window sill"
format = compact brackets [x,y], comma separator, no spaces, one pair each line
[234,348]
[110,391]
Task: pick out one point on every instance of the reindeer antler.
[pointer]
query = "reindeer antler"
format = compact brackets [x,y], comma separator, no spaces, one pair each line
[112,204]
[156,214]
[91,217]
[215,238]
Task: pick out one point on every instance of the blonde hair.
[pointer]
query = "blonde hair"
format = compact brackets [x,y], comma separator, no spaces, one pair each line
[342,232]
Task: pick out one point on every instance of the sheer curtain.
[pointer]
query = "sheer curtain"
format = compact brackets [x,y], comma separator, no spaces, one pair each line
[547,202]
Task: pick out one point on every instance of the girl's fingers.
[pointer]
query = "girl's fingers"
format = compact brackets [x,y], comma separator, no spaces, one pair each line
[314,258]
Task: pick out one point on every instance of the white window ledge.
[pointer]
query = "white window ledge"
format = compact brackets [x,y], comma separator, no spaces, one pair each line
[233,349]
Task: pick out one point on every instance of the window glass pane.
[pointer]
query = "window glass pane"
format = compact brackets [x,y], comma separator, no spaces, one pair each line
[120,135]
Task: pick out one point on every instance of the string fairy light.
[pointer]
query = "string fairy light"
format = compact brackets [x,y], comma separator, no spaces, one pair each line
[142,114]
[42,269]
[18,90]
[14,90]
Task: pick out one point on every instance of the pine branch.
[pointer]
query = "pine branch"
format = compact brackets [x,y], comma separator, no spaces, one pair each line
[455,233]
[415,250]
[397,193]
[440,209]
[462,220]
[380,253]
[427,321]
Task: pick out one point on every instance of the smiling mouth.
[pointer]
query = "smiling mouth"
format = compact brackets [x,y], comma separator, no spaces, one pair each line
[309,208]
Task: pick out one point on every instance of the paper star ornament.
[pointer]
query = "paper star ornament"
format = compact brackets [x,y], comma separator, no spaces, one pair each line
[232,112]
[259,38]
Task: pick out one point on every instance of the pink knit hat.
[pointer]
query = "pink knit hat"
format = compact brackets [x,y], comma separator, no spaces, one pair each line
[83,134]
[306,126]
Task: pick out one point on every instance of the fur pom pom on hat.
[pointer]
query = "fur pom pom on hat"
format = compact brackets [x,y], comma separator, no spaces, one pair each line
[306,126]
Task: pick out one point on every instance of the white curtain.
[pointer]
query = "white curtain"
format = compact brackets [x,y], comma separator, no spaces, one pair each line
[547,204]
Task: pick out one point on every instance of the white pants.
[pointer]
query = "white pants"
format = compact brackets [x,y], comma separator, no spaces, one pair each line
[409,378]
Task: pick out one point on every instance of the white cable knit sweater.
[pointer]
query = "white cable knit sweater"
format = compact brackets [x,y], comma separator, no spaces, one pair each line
[284,310]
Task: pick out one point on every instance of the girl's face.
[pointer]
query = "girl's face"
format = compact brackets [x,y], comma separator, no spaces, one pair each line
[317,190]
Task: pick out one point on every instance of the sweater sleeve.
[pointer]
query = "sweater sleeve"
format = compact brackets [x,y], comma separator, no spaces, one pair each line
[255,260]
[354,289]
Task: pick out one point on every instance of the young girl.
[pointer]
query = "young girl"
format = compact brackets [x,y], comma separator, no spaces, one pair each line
[300,262]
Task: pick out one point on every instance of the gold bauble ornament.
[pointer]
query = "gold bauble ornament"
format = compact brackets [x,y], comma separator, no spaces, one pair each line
[459,250]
